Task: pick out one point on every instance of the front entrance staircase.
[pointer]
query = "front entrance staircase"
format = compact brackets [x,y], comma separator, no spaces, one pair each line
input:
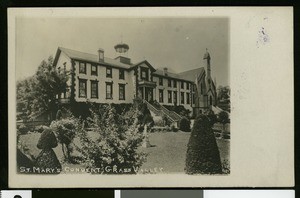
[160,110]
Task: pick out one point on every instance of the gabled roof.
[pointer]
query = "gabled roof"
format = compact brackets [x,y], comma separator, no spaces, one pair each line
[191,75]
[73,54]
[144,61]
[160,72]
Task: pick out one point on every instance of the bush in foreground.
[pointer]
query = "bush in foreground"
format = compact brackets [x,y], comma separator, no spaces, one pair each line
[115,150]
[65,130]
[203,155]
[47,159]
[23,129]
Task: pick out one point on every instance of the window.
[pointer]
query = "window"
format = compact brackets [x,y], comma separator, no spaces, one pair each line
[144,73]
[182,85]
[193,98]
[187,86]
[65,67]
[82,88]
[108,72]
[121,74]
[109,90]
[182,97]
[121,91]
[82,68]
[169,96]
[210,100]
[201,88]
[160,81]
[187,98]
[94,89]
[161,95]
[194,87]
[94,70]
[175,84]
[169,83]
[175,97]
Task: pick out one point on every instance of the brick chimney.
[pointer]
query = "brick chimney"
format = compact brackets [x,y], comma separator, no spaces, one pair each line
[165,71]
[101,55]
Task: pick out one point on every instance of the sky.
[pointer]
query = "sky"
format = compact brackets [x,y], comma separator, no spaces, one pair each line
[176,43]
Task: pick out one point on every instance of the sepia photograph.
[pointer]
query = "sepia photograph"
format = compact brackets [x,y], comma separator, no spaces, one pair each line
[116,94]
[123,96]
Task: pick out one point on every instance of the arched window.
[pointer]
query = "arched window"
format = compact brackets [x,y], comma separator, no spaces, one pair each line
[210,100]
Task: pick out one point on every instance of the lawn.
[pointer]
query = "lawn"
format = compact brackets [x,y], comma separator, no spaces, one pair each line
[167,151]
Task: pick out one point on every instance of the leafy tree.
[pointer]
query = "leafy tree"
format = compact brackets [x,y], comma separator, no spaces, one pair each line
[223,93]
[24,97]
[37,94]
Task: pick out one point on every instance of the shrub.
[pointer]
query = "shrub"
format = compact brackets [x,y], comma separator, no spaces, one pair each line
[223,118]
[59,115]
[185,124]
[47,140]
[158,121]
[143,115]
[47,158]
[166,120]
[41,128]
[116,146]
[226,167]
[179,109]
[173,128]
[203,155]
[65,130]
[23,129]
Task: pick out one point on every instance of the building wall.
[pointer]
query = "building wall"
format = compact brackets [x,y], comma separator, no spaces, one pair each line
[204,101]
[65,61]
[143,65]
[102,79]
[130,84]
[178,88]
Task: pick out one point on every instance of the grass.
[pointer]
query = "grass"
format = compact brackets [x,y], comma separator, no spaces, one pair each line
[168,150]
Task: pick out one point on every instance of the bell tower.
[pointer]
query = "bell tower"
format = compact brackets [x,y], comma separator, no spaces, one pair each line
[207,62]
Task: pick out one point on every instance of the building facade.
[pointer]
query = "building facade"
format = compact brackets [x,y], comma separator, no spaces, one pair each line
[96,78]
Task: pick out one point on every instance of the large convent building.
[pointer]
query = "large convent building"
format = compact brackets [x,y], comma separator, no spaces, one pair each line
[97,78]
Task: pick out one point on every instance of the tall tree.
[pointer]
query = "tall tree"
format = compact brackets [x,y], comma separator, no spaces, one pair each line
[39,93]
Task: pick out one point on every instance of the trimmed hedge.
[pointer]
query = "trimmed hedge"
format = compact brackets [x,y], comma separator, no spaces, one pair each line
[203,155]
[185,124]
[47,140]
